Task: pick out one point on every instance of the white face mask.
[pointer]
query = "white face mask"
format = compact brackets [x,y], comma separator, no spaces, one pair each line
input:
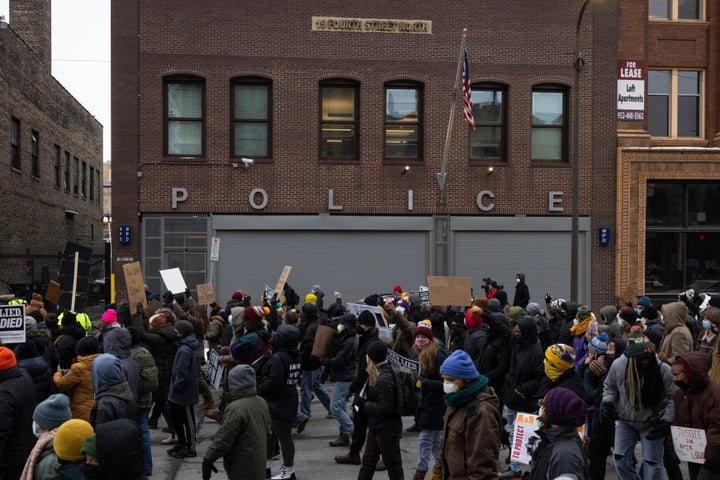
[34,430]
[575,321]
[517,280]
[449,387]
[340,328]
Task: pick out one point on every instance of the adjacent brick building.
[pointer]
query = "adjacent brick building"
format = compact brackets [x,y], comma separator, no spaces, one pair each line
[51,147]
[344,108]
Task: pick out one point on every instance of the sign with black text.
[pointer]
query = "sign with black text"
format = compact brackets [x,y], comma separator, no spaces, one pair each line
[12,324]
[631,90]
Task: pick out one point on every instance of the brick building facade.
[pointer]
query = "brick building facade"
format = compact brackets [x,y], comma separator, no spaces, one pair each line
[329,192]
[51,152]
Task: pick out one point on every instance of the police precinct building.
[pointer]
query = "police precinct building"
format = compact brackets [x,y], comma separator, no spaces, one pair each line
[312,133]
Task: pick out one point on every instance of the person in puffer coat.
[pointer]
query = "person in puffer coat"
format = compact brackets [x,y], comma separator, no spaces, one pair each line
[494,359]
[76,382]
[113,398]
[278,386]
[35,365]
[241,440]
[697,405]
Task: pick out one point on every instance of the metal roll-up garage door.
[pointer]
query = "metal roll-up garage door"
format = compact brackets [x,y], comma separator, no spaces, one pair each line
[356,263]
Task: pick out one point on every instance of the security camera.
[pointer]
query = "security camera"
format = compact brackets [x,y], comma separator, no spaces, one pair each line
[247,162]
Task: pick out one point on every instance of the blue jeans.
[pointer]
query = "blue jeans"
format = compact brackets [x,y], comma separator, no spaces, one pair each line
[428,448]
[338,406]
[626,437]
[309,384]
[510,415]
[145,431]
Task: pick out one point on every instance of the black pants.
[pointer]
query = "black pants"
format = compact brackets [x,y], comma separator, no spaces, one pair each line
[602,437]
[359,431]
[282,433]
[383,442]
[183,420]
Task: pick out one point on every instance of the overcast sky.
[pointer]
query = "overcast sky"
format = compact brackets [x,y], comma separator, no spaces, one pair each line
[81,54]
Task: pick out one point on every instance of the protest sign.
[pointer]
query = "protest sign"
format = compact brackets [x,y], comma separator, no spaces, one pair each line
[135,284]
[323,338]
[357,308]
[449,290]
[399,361]
[689,443]
[174,280]
[205,293]
[282,280]
[153,306]
[525,440]
[12,324]
[52,294]
[214,369]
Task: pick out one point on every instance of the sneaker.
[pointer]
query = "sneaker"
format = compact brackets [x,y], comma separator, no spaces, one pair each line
[184,452]
[169,441]
[342,441]
[510,473]
[412,428]
[286,473]
[301,425]
[171,451]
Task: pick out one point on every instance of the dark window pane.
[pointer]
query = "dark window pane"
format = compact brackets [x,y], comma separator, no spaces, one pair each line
[658,81]
[658,112]
[688,9]
[665,204]
[338,140]
[659,9]
[688,82]
[251,139]
[688,117]
[486,143]
[401,141]
[703,199]
[702,266]
[663,261]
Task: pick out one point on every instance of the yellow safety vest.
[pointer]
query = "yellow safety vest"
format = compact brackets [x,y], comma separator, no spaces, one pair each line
[82,318]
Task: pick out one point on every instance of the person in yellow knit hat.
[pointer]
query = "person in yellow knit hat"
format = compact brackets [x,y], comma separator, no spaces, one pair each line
[559,371]
[68,444]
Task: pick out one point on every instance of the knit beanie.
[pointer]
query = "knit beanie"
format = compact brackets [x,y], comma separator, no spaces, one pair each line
[377,352]
[110,316]
[310,298]
[7,358]
[459,365]
[638,344]
[628,316]
[366,318]
[157,319]
[241,380]
[184,328]
[69,439]
[397,289]
[494,305]
[30,324]
[533,308]
[649,313]
[424,331]
[254,313]
[86,346]
[515,313]
[239,295]
[559,359]
[583,312]
[53,411]
[246,348]
[563,407]
[90,447]
[473,317]
[644,302]
[599,343]
[372,300]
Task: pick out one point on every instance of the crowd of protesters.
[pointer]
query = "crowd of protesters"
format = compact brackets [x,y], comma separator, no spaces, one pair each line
[78,401]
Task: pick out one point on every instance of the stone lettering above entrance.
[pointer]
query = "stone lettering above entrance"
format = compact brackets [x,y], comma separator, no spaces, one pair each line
[371,25]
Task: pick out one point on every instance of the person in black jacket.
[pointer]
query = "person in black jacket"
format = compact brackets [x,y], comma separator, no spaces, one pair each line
[342,363]
[70,333]
[379,402]
[522,292]
[477,332]
[113,397]
[559,371]
[494,359]
[522,382]
[16,437]
[114,452]
[35,365]
[278,386]
[368,335]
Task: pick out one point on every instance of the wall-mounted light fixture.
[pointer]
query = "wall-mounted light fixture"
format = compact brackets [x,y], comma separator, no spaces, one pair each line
[247,162]
[405,169]
[490,170]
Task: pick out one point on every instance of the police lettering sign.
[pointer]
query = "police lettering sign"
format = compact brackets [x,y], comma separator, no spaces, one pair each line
[631,90]
[12,324]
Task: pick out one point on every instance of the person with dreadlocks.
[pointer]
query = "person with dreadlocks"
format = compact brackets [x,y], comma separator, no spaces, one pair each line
[638,397]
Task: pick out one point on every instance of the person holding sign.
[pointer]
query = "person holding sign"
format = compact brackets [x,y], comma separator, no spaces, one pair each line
[697,405]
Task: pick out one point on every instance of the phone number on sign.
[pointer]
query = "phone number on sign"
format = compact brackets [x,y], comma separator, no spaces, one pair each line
[625,115]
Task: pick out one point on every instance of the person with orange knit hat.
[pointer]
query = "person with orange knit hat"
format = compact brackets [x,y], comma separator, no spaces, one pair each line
[16,437]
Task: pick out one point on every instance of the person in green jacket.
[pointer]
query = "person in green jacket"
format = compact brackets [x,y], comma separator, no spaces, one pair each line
[244,430]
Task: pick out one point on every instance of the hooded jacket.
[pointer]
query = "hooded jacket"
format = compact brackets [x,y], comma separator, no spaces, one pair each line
[522,382]
[343,362]
[161,342]
[380,402]
[113,398]
[118,342]
[564,455]
[699,405]
[365,339]
[65,344]
[184,389]
[522,292]
[310,322]
[16,437]
[120,450]
[494,359]
[242,436]
[677,339]
[432,405]
[76,383]
[30,360]
[280,374]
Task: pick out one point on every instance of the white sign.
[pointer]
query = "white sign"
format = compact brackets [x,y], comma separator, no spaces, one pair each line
[215,249]
[174,280]
[631,90]
[214,369]
[357,308]
[525,441]
[12,324]
[399,361]
[689,443]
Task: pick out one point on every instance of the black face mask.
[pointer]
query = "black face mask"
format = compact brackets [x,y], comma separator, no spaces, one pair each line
[92,472]
[682,385]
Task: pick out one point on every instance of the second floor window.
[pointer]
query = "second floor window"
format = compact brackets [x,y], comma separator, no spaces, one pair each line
[674,103]
[403,121]
[76,177]
[34,154]
[549,124]
[58,166]
[488,140]
[251,117]
[67,172]
[678,10]
[184,116]
[338,124]
[15,143]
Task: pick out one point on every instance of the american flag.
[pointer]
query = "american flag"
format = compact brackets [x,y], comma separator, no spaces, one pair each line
[467,94]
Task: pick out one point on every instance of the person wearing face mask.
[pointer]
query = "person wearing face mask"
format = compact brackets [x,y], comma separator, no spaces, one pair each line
[709,333]
[42,463]
[638,398]
[431,354]
[583,318]
[677,339]
[522,292]
[342,363]
[697,405]
[472,425]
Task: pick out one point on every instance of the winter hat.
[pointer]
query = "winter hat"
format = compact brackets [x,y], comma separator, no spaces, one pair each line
[366,318]
[459,365]
[69,439]
[30,324]
[68,318]
[184,328]
[628,316]
[515,313]
[90,447]
[583,312]
[559,357]
[533,308]
[238,295]
[241,379]
[86,346]
[638,344]
[246,348]
[599,343]
[377,352]
[349,320]
[424,331]
[310,298]
[494,305]
[7,358]
[371,300]
[110,316]
[649,313]
[106,370]
[644,302]
[403,303]
[53,411]
[254,313]
[473,317]
[157,319]
[481,302]
[425,323]
[563,407]
[397,289]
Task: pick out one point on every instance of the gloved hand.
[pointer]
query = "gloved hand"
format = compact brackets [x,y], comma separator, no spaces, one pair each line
[598,368]
[659,430]
[207,469]
[435,476]
[548,298]
[609,412]
[337,294]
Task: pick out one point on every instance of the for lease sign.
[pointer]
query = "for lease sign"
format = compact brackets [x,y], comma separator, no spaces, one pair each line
[631,90]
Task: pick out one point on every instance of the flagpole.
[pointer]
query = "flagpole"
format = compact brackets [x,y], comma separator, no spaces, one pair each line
[442,175]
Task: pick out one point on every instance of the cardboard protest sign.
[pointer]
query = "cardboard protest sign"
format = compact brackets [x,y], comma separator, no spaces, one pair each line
[205,293]
[12,324]
[282,280]
[214,369]
[399,361]
[153,306]
[323,339]
[174,280]
[689,443]
[52,294]
[135,284]
[449,290]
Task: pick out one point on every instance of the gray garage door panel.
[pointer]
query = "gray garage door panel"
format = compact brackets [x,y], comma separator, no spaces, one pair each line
[356,263]
[544,258]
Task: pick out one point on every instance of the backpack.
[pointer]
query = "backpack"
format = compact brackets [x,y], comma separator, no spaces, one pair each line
[408,396]
[149,382]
